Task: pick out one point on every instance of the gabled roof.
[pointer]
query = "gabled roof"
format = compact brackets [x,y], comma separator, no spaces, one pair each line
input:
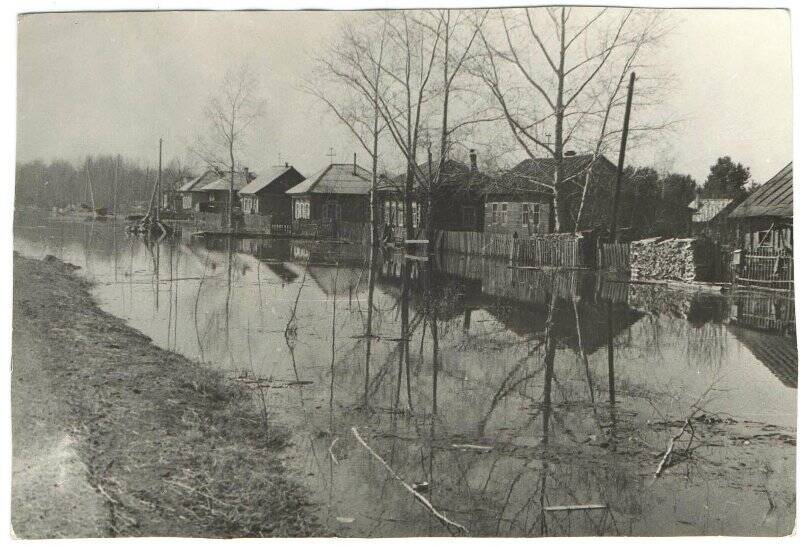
[223,181]
[708,208]
[772,199]
[266,179]
[196,184]
[336,179]
[532,174]
[456,177]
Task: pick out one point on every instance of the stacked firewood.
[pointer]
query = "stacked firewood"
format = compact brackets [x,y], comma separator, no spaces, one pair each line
[682,259]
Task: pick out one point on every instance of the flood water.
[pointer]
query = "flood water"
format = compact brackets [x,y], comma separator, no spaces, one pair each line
[499,394]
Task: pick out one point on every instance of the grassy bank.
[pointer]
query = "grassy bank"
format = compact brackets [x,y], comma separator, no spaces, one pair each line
[171,447]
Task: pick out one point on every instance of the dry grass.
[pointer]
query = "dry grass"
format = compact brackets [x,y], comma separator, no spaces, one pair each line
[174,447]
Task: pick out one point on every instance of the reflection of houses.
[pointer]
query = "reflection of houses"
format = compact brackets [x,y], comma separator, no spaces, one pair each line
[765,324]
[340,192]
[764,219]
[267,194]
[457,196]
[522,201]
[777,352]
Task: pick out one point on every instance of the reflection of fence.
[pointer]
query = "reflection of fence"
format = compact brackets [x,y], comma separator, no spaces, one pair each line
[615,256]
[328,229]
[766,271]
[353,232]
[498,280]
[767,311]
[545,250]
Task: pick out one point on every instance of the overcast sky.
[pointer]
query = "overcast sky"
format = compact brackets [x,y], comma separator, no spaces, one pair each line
[115,82]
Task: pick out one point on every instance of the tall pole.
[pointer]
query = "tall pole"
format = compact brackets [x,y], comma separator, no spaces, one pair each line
[158,184]
[621,162]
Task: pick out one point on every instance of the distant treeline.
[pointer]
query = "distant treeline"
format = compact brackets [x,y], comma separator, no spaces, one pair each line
[112,180]
[653,204]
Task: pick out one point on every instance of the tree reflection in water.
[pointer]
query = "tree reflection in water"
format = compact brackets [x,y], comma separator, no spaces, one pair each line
[503,412]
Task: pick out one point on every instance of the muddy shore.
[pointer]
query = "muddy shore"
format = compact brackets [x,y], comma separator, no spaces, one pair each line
[113,436]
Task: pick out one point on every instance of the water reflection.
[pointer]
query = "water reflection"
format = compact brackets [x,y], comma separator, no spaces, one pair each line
[504,395]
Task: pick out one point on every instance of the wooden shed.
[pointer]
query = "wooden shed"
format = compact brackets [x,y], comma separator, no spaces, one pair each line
[763,222]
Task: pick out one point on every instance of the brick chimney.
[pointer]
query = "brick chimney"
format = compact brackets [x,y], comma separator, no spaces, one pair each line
[473,160]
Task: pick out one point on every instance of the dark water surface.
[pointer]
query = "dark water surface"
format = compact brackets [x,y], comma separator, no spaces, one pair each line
[504,393]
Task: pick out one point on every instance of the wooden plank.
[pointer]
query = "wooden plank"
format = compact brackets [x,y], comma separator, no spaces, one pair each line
[573,507]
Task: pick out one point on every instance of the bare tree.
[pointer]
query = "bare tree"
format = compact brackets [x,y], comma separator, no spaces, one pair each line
[230,113]
[559,70]
[413,47]
[350,84]
[431,50]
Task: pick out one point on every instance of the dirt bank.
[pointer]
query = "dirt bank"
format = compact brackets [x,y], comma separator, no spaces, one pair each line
[116,437]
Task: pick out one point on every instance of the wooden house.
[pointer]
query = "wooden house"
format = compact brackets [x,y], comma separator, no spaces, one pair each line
[711,218]
[219,190]
[457,197]
[193,197]
[267,194]
[764,220]
[521,200]
[339,192]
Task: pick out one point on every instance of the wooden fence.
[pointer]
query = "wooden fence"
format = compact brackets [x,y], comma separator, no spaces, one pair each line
[615,256]
[542,250]
[773,271]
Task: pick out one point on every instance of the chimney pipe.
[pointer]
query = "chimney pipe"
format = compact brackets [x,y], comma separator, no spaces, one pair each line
[473,160]
[287,164]
[354,164]
[246,175]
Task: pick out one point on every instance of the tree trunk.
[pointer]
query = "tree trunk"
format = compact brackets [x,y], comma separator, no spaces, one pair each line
[230,189]
[558,147]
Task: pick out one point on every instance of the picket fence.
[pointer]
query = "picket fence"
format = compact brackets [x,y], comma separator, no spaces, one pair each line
[615,256]
[542,250]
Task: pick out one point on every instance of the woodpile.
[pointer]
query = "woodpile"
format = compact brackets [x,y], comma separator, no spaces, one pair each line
[683,259]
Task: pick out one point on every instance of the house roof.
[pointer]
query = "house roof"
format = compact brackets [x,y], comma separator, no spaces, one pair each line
[772,199]
[456,177]
[222,182]
[265,179]
[196,184]
[534,173]
[708,208]
[336,179]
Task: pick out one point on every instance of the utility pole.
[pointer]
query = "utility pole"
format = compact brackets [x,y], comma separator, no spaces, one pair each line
[158,184]
[621,162]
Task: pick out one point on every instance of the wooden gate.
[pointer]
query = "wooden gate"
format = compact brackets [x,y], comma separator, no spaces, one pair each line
[767,271]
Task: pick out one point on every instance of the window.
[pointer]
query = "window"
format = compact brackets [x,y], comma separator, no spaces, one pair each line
[764,239]
[414,214]
[302,209]
[536,214]
[525,214]
[494,214]
[468,216]
[503,213]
